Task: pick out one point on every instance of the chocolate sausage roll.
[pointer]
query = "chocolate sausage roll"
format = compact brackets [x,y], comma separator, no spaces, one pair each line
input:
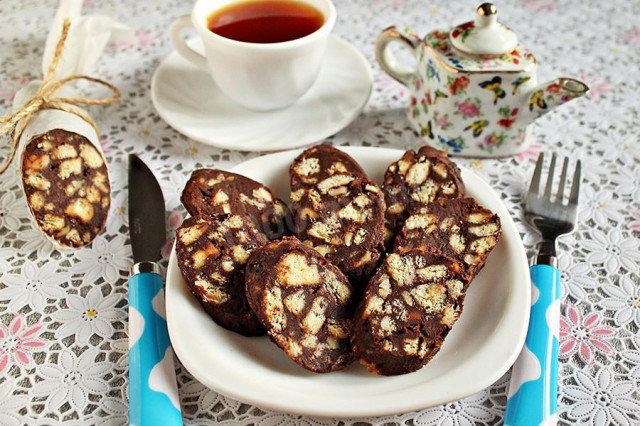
[211,192]
[407,310]
[304,302]
[212,252]
[66,183]
[461,229]
[318,163]
[415,181]
[342,217]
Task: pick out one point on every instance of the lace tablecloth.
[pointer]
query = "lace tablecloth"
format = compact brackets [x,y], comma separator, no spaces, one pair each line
[63,315]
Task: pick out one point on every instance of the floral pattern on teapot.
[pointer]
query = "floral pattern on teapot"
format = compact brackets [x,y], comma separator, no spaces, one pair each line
[478,113]
[478,102]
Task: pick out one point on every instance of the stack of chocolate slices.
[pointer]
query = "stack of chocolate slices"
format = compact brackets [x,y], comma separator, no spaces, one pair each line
[438,242]
[332,293]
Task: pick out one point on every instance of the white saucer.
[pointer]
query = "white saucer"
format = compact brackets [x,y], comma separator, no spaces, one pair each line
[187,98]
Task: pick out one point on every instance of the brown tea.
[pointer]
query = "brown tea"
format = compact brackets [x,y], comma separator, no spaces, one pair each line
[270,21]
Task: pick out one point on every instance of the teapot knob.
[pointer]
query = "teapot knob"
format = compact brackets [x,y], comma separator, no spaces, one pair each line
[487,15]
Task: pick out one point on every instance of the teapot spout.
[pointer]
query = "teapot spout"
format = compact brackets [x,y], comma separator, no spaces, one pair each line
[546,96]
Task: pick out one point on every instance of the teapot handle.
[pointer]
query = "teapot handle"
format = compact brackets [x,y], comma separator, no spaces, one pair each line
[388,61]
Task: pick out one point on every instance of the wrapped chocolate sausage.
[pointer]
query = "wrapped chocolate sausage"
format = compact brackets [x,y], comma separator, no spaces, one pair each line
[62,168]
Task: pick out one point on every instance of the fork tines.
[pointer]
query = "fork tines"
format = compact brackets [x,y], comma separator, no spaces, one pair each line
[534,188]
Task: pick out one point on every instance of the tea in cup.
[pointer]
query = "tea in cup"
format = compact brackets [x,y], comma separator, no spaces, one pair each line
[264,55]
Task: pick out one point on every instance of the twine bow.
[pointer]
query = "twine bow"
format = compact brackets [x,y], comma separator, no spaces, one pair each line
[43,99]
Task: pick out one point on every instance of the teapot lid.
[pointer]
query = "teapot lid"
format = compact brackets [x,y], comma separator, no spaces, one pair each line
[480,46]
[484,36]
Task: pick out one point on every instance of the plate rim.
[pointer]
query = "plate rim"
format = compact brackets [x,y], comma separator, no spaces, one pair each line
[342,124]
[374,411]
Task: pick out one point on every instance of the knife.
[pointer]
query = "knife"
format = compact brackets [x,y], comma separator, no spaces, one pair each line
[153,393]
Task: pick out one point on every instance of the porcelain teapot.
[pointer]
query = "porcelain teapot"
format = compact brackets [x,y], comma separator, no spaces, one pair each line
[475,90]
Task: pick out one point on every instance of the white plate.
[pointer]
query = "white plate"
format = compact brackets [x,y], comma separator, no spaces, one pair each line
[187,98]
[479,350]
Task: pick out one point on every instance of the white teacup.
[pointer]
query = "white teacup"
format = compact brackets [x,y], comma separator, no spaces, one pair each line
[259,76]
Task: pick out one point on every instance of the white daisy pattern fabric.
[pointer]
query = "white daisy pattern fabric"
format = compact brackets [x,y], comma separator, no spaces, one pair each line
[72,379]
[601,400]
[10,404]
[613,251]
[88,316]
[64,321]
[103,260]
[34,285]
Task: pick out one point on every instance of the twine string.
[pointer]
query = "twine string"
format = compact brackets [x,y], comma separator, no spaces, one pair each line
[15,123]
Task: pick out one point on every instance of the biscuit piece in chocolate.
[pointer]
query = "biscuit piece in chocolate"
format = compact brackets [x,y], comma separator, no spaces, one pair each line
[211,192]
[212,252]
[318,163]
[415,181]
[407,310]
[461,229]
[66,184]
[342,217]
[304,302]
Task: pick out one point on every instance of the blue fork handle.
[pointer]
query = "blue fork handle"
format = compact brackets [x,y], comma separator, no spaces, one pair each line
[153,393]
[532,398]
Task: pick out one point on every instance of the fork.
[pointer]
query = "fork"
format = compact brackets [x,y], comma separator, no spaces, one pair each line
[532,397]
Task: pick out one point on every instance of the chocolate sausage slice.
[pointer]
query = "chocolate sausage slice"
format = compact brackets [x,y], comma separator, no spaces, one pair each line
[211,192]
[304,302]
[342,217]
[212,252]
[414,182]
[318,163]
[407,310]
[461,229]
[66,183]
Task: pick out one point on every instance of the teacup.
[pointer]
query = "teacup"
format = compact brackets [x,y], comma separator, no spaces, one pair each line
[258,76]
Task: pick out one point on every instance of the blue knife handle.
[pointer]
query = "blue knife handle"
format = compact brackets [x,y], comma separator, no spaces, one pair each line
[153,393]
[533,389]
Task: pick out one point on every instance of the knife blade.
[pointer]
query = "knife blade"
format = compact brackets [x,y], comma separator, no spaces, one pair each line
[153,392]
[146,212]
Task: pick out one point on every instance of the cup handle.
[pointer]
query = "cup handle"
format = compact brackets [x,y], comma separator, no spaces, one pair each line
[388,61]
[181,46]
